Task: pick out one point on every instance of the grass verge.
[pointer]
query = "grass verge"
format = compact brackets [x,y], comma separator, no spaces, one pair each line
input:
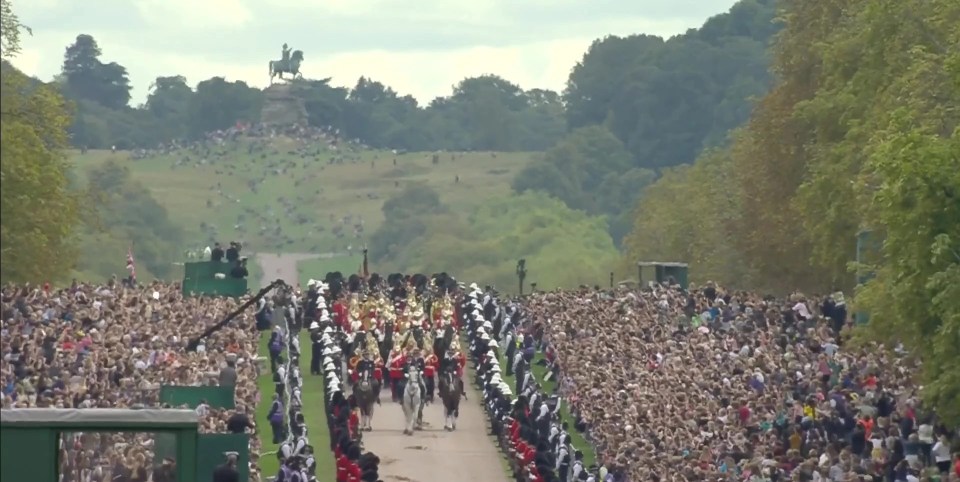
[548,386]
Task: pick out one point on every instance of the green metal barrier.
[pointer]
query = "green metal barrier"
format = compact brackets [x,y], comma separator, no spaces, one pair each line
[200,278]
[30,438]
[216,397]
[210,453]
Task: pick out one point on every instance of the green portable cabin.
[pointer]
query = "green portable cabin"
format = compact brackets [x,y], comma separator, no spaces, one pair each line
[30,438]
[200,278]
[660,272]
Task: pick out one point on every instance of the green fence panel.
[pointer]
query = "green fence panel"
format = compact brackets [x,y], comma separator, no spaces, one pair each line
[201,279]
[211,449]
[28,454]
[216,397]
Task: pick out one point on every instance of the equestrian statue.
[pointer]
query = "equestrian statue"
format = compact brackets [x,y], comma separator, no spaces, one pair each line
[289,63]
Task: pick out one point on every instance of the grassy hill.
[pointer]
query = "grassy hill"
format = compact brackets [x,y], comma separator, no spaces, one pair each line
[284,195]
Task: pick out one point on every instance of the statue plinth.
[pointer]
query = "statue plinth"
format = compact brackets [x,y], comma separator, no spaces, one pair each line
[282,107]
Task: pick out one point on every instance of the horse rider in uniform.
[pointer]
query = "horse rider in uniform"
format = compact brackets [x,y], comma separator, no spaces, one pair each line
[395,367]
[416,360]
[366,365]
[430,363]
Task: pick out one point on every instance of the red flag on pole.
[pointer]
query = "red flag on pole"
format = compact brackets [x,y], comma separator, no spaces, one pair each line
[131,266]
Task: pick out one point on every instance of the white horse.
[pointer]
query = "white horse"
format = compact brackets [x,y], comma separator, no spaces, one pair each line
[413,401]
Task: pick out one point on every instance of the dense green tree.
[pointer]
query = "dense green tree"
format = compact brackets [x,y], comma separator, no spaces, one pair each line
[88,78]
[405,216]
[218,104]
[860,131]
[590,170]
[128,217]
[486,244]
[667,100]
[38,211]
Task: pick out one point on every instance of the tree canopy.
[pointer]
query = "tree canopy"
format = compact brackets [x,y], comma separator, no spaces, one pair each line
[37,208]
[665,99]
[859,133]
[486,243]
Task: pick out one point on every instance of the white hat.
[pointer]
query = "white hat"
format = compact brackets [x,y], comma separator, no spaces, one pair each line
[156,295]
[329,367]
[493,343]
[327,359]
[311,282]
[314,325]
[327,330]
[488,325]
[328,351]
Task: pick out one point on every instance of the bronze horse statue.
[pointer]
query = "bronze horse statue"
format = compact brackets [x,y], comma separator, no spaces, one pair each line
[292,66]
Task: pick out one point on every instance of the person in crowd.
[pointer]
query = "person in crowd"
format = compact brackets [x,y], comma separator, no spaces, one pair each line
[227,472]
[216,255]
[233,252]
[239,269]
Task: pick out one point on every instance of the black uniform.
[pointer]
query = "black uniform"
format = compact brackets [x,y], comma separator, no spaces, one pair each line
[316,352]
[239,271]
[226,473]
[216,254]
[366,366]
[233,253]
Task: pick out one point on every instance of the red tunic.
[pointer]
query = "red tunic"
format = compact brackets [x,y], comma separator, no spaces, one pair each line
[353,472]
[340,316]
[342,464]
[396,366]
[378,372]
[430,366]
[461,364]
[353,423]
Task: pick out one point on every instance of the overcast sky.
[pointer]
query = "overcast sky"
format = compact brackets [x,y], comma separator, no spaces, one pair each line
[418,47]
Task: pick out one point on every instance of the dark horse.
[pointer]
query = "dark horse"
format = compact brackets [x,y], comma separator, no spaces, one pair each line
[451,388]
[366,391]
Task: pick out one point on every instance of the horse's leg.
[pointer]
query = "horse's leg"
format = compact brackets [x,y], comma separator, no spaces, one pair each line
[453,415]
[370,418]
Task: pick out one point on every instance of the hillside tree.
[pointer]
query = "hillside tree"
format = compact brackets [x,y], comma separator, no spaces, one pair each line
[38,211]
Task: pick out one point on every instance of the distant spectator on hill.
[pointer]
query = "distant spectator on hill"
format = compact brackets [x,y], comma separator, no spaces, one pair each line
[217,253]
[233,252]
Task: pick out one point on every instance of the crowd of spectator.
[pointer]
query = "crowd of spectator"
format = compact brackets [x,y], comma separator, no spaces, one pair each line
[708,384]
[113,346]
